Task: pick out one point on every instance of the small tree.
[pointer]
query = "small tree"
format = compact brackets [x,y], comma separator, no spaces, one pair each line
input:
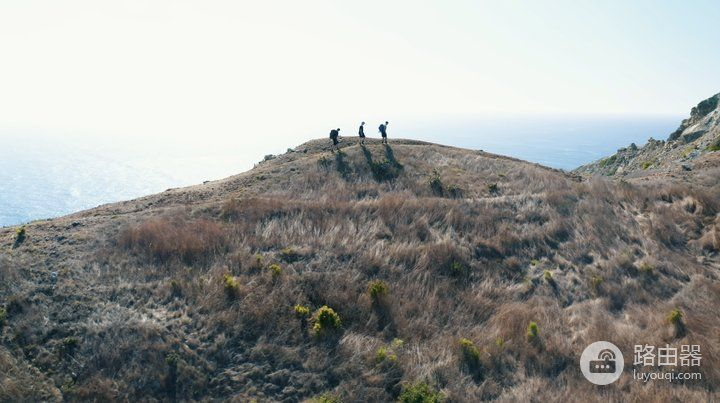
[420,392]
[377,290]
[325,319]
[532,331]
[470,354]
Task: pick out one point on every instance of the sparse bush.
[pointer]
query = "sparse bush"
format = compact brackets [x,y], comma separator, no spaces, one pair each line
[231,285]
[326,398]
[493,188]
[289,255]
[3,316]
[532,332]
[420,392]
[453,191]
[302,311]
[458,269]
[167,238]
[325,319]
[548,277]
[275,270]
[435,183]
[384,354]
[377,289]
[675,316]
[384,171]
[324,162]
[469,353]
[175,288]
[172,359]
[647,164]
[608,161]
[20,236]
[69,345]
[715,145]
[389,353]
[595,283]
[646,268]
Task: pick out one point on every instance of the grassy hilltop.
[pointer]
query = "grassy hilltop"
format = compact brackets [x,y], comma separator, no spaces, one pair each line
[365,275]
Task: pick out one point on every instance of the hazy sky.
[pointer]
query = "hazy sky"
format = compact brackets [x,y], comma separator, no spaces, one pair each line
[293,69]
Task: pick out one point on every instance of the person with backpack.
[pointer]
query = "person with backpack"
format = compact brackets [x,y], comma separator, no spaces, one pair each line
[361,133]
[334,134]
[383,132]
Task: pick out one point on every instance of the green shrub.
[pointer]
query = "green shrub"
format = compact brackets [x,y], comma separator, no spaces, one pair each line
[547,276]
[435,183]
[289,255]
[608,161]
[275,270]
[231,285]
[20,236]
[258,261]
[302,311]
[377,289]
[384,354]
[715,145]
[534,262]
[675,317]
[532,331]
[389,353]
[3,316]
[420,392]
[326,398]
[470,353]
[325,319]
[647,164]
[457,269]
[646,268]
[172,359]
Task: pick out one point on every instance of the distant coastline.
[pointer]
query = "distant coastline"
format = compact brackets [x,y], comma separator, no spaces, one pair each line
[44,178]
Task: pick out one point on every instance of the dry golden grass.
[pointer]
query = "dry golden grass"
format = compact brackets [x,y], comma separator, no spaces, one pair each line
[148,298]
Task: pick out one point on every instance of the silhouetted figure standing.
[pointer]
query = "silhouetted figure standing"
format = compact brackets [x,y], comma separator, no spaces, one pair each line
[334,134]
[383,132]
[361,133]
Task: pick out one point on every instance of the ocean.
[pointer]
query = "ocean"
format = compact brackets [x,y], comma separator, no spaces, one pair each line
[44,175]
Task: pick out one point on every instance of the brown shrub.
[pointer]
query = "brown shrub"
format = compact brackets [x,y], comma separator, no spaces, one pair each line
[710,241]
[175,237]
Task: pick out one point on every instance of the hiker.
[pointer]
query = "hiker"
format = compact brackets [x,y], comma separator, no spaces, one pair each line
[383,132]
[334,134]
[361,133]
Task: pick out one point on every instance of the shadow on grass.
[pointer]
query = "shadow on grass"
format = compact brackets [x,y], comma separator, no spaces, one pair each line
[343,167]
[384,171]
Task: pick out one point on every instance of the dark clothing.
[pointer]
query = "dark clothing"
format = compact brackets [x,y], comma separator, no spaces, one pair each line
[361,131]
[334,136]
[383,132]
